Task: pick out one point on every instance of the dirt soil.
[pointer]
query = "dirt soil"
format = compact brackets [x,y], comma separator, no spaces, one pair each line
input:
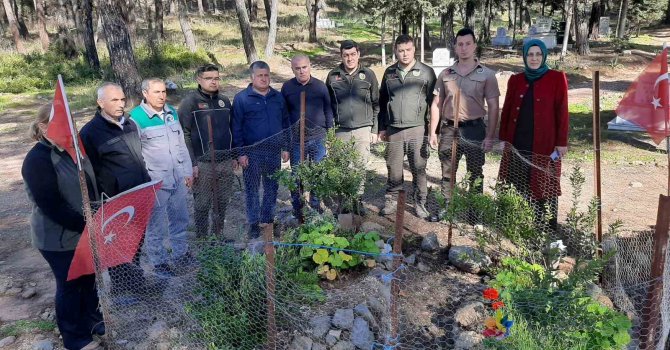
[630,189]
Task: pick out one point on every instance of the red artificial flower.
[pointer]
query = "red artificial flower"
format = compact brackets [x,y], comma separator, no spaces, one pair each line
[491,294]
[491,333]
[497,305]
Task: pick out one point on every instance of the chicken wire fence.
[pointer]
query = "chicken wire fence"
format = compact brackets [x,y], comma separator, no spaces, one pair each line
[214,281]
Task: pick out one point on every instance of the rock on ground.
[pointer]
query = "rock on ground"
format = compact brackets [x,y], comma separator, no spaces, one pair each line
[344,345]
[363,311]
[468,259]
[343,319]
[361,335]
[301,343]
[7,341]
[333,336]
[470,316]
[430,242]
[468,340]
[320,326]
[43,345]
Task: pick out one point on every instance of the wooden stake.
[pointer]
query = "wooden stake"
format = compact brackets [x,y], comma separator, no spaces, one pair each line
[651,312]
[303,108]
[214,178]
[596,149]
[454,161]
[270,286]
[397,260]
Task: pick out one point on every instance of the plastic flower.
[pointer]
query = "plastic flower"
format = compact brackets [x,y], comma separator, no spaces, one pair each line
[490,323]
[497,305]
[491,294]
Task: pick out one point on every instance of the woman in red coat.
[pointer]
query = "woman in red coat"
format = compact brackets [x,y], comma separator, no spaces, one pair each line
[534,124]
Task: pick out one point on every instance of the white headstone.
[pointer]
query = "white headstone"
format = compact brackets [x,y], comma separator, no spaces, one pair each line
[441,60]
[604,28]
[543,24]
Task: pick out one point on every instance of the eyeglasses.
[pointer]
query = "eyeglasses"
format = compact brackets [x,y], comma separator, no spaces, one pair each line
[537,54]
[210,78]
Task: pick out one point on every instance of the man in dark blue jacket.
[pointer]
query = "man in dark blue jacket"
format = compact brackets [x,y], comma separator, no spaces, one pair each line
[318,119]
[260,114]
[112,144]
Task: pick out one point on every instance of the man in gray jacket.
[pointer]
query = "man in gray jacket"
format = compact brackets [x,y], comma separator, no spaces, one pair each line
[406,94]
[167,158]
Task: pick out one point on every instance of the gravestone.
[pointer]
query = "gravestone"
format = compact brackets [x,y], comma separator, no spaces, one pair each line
[541,30]
[441,60]
[325,23]
[604,27]
[501,38]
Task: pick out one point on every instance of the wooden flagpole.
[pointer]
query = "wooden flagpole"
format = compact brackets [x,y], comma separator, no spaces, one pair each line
[86,202]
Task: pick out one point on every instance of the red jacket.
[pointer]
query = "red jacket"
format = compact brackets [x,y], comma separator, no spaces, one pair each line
[551,123]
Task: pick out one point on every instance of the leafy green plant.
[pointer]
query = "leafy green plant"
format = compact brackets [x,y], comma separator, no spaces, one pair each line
[579,228]
[336,178]
[554,308]
[326,249]
[230,305]
[504,214]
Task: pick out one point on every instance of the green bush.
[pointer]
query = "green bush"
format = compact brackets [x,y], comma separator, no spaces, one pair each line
[551,308]
[336,178]
[169,60]
[38,71]
[230,295]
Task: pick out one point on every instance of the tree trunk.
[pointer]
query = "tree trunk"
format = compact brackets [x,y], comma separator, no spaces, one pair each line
[245,29]
[526,21]
[268,11]
[484,36]
[128,13]
[18,12]
[514,26]
[78,21]
[272,28]
[172,7]
[253,10]
[120,49]
[88,35]
[469,13]
[568,25]
[594,21]
[312,10]
[621,25]
[449,27]
[13,26]
[510,17]
[667,14]
[201,9]
[383,39]
[189,38]
[158,9]
[41,24]
[582,28]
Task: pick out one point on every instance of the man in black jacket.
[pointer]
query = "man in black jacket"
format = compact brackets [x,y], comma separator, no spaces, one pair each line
[354,95]
[212,181]
[112,144]
[405,97]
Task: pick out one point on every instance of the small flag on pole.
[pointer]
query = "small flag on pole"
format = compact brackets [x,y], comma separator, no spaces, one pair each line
[61,130]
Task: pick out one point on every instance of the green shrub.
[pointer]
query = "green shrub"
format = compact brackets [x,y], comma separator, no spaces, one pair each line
[551,308]
[231,295]
[336,178]
[38,71]
[169,60]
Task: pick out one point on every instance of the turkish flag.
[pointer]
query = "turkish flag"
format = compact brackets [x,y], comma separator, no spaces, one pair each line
[117,227]
[647,101]
[60,129]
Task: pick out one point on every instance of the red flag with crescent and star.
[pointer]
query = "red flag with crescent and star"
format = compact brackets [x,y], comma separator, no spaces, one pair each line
[647,101]
[118,227]
[60,129]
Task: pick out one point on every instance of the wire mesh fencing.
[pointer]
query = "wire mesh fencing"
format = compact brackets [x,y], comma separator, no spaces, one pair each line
[268,253]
